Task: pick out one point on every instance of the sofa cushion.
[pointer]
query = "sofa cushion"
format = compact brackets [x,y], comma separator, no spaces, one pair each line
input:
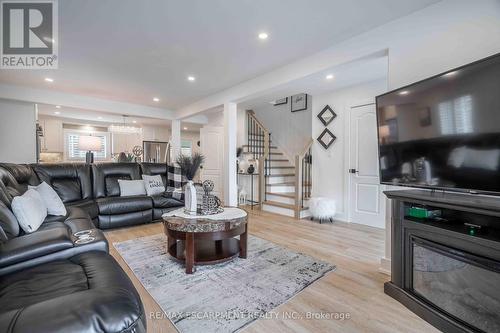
[106,175]
[53,202]
[87,293]
[67,189]
[89,206]
[121,205]
[113,185]
[30,210]
[72,182]
[153,169]
[37,244]
[8,222]
[131,187]
[163,201]
[21,175]
[175,177]
[153,184]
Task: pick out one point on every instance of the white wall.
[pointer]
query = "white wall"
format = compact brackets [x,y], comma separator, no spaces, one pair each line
[17,132]
[290,131]
[330,167]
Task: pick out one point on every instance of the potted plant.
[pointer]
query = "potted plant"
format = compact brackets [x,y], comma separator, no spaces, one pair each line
[189,166]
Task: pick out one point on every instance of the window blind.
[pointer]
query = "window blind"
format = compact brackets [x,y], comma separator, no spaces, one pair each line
[75,153]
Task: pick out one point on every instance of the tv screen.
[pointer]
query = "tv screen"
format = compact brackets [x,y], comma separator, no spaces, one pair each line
[443,132]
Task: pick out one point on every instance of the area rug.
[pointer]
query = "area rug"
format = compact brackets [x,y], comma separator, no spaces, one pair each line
[224,297]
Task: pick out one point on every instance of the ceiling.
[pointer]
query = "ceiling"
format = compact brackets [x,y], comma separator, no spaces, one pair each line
[356,72]
[132,51]
[83,117]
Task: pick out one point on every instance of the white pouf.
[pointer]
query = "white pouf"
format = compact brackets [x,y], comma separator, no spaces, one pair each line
[322,208]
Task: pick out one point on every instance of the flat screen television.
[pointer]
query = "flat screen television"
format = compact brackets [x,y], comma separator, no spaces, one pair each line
[443,132]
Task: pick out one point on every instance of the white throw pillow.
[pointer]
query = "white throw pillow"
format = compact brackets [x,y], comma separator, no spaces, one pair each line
[54,204]
[30,210]
[131,187]
[154,184]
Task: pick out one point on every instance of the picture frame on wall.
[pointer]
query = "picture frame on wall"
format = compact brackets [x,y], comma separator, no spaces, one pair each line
[281,101]
[299,102]
[327,115]
[326,138]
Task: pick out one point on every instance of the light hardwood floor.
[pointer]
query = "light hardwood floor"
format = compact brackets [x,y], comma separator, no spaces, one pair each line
[355,287]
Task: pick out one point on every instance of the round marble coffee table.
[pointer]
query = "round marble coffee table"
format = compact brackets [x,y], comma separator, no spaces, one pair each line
[206,239]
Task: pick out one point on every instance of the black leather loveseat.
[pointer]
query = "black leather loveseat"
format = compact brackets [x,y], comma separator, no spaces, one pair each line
[48,281]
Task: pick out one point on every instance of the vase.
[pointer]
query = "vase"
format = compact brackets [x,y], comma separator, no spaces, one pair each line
[190,200]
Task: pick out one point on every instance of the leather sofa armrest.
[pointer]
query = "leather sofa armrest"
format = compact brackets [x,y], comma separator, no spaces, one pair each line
[37,244]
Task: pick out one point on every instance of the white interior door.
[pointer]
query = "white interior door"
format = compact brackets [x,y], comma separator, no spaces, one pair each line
[212,147]
[367,205]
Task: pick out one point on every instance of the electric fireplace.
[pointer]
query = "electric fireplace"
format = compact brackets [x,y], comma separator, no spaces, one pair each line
[446,268]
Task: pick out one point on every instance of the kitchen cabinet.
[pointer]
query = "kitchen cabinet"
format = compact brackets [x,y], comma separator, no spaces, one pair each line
[155,133]
[53,139]
[124,142]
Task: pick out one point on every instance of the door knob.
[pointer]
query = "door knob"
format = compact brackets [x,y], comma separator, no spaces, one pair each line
[353,171]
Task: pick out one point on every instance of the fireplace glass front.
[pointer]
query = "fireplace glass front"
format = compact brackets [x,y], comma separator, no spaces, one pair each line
[463,285]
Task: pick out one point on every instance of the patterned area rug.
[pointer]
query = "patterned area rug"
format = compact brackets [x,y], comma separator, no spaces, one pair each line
[224,297]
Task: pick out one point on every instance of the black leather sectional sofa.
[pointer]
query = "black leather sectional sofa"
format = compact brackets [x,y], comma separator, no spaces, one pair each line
[51,283]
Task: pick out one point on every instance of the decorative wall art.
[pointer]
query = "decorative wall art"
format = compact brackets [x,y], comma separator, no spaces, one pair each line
[299,102]
[281,101]
[327,115]
[326,138]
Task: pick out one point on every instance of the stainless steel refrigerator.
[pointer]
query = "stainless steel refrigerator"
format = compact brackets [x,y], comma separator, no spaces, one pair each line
[155,151]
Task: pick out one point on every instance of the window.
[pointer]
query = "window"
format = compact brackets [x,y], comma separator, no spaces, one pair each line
[72,152]
[186,147]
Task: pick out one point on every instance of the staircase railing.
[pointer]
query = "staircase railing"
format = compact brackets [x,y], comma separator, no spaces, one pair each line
[259,144]
[303,178]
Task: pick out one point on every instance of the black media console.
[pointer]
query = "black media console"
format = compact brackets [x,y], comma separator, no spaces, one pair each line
[446,269]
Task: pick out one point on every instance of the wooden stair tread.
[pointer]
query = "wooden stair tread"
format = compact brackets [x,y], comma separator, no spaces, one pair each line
[282,205]
[279,204]
[283,175]
[282,184]
[282,160]
[281,167]
[282,194]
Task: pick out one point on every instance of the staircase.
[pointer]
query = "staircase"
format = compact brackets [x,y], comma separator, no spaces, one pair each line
[284,183]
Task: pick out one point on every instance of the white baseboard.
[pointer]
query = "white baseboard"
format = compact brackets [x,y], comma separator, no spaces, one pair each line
[385,266]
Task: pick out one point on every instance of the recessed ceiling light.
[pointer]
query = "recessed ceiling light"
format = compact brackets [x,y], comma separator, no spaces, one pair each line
[99,117]
[404,92]
[134,121]
[263,35]
[450,73]
[191,78]
[156,99]
[48,79]
[57,112]
[58,106]
[185,128]
[329,76]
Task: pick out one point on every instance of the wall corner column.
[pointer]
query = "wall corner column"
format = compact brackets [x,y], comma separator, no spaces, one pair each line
[230,137]
[175,141]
